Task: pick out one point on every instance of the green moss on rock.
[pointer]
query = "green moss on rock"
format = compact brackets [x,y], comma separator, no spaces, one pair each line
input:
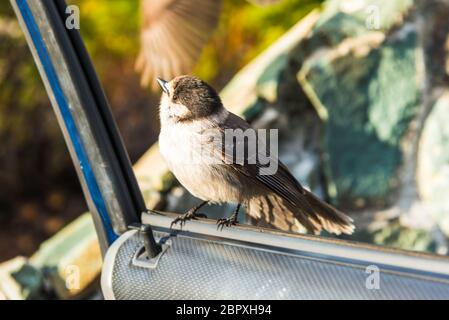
[366,92]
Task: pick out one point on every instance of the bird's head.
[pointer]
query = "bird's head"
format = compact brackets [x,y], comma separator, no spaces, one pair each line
[187,98]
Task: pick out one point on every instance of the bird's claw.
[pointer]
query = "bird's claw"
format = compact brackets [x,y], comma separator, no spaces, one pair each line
[182,219]
[226,222]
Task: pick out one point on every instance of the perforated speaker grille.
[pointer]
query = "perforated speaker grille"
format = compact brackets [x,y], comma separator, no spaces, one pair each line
[195,268]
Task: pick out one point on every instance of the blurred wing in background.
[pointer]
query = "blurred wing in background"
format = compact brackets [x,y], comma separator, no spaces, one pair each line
[173,35]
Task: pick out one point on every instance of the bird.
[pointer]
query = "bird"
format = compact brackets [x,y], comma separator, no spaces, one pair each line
[173,34]
[192,116]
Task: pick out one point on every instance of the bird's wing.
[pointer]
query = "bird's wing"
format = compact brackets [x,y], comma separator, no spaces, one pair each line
[173,35]
[313,213]
[282,182]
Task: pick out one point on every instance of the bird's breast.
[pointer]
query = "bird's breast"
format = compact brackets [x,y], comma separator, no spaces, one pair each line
[180,145]
[194,167]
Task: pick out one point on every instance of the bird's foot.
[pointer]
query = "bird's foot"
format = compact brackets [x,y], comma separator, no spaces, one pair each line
[190,215]
[226,222]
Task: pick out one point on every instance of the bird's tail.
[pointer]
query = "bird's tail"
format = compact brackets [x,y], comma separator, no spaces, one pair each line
[273,211]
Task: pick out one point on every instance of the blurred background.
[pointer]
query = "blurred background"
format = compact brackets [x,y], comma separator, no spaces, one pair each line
[358,89]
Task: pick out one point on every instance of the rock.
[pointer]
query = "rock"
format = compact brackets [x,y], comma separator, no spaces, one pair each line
[71,260]
[433,163]
[10,284]
[365,89]
[153,177]
[30,282]
[152,172]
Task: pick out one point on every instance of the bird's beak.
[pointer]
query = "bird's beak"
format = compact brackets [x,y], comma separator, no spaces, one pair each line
[163,85]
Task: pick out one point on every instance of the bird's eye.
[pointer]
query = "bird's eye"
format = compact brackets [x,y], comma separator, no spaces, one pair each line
[174,97]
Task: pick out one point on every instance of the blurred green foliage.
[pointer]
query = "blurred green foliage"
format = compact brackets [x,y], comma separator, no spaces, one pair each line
[111,32]
[245,30]
[110,26]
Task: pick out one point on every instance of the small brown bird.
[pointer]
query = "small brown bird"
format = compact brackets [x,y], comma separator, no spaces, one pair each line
[173,35]
[192,117]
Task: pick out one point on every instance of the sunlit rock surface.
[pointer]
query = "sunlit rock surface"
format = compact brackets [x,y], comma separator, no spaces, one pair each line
[365,87]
